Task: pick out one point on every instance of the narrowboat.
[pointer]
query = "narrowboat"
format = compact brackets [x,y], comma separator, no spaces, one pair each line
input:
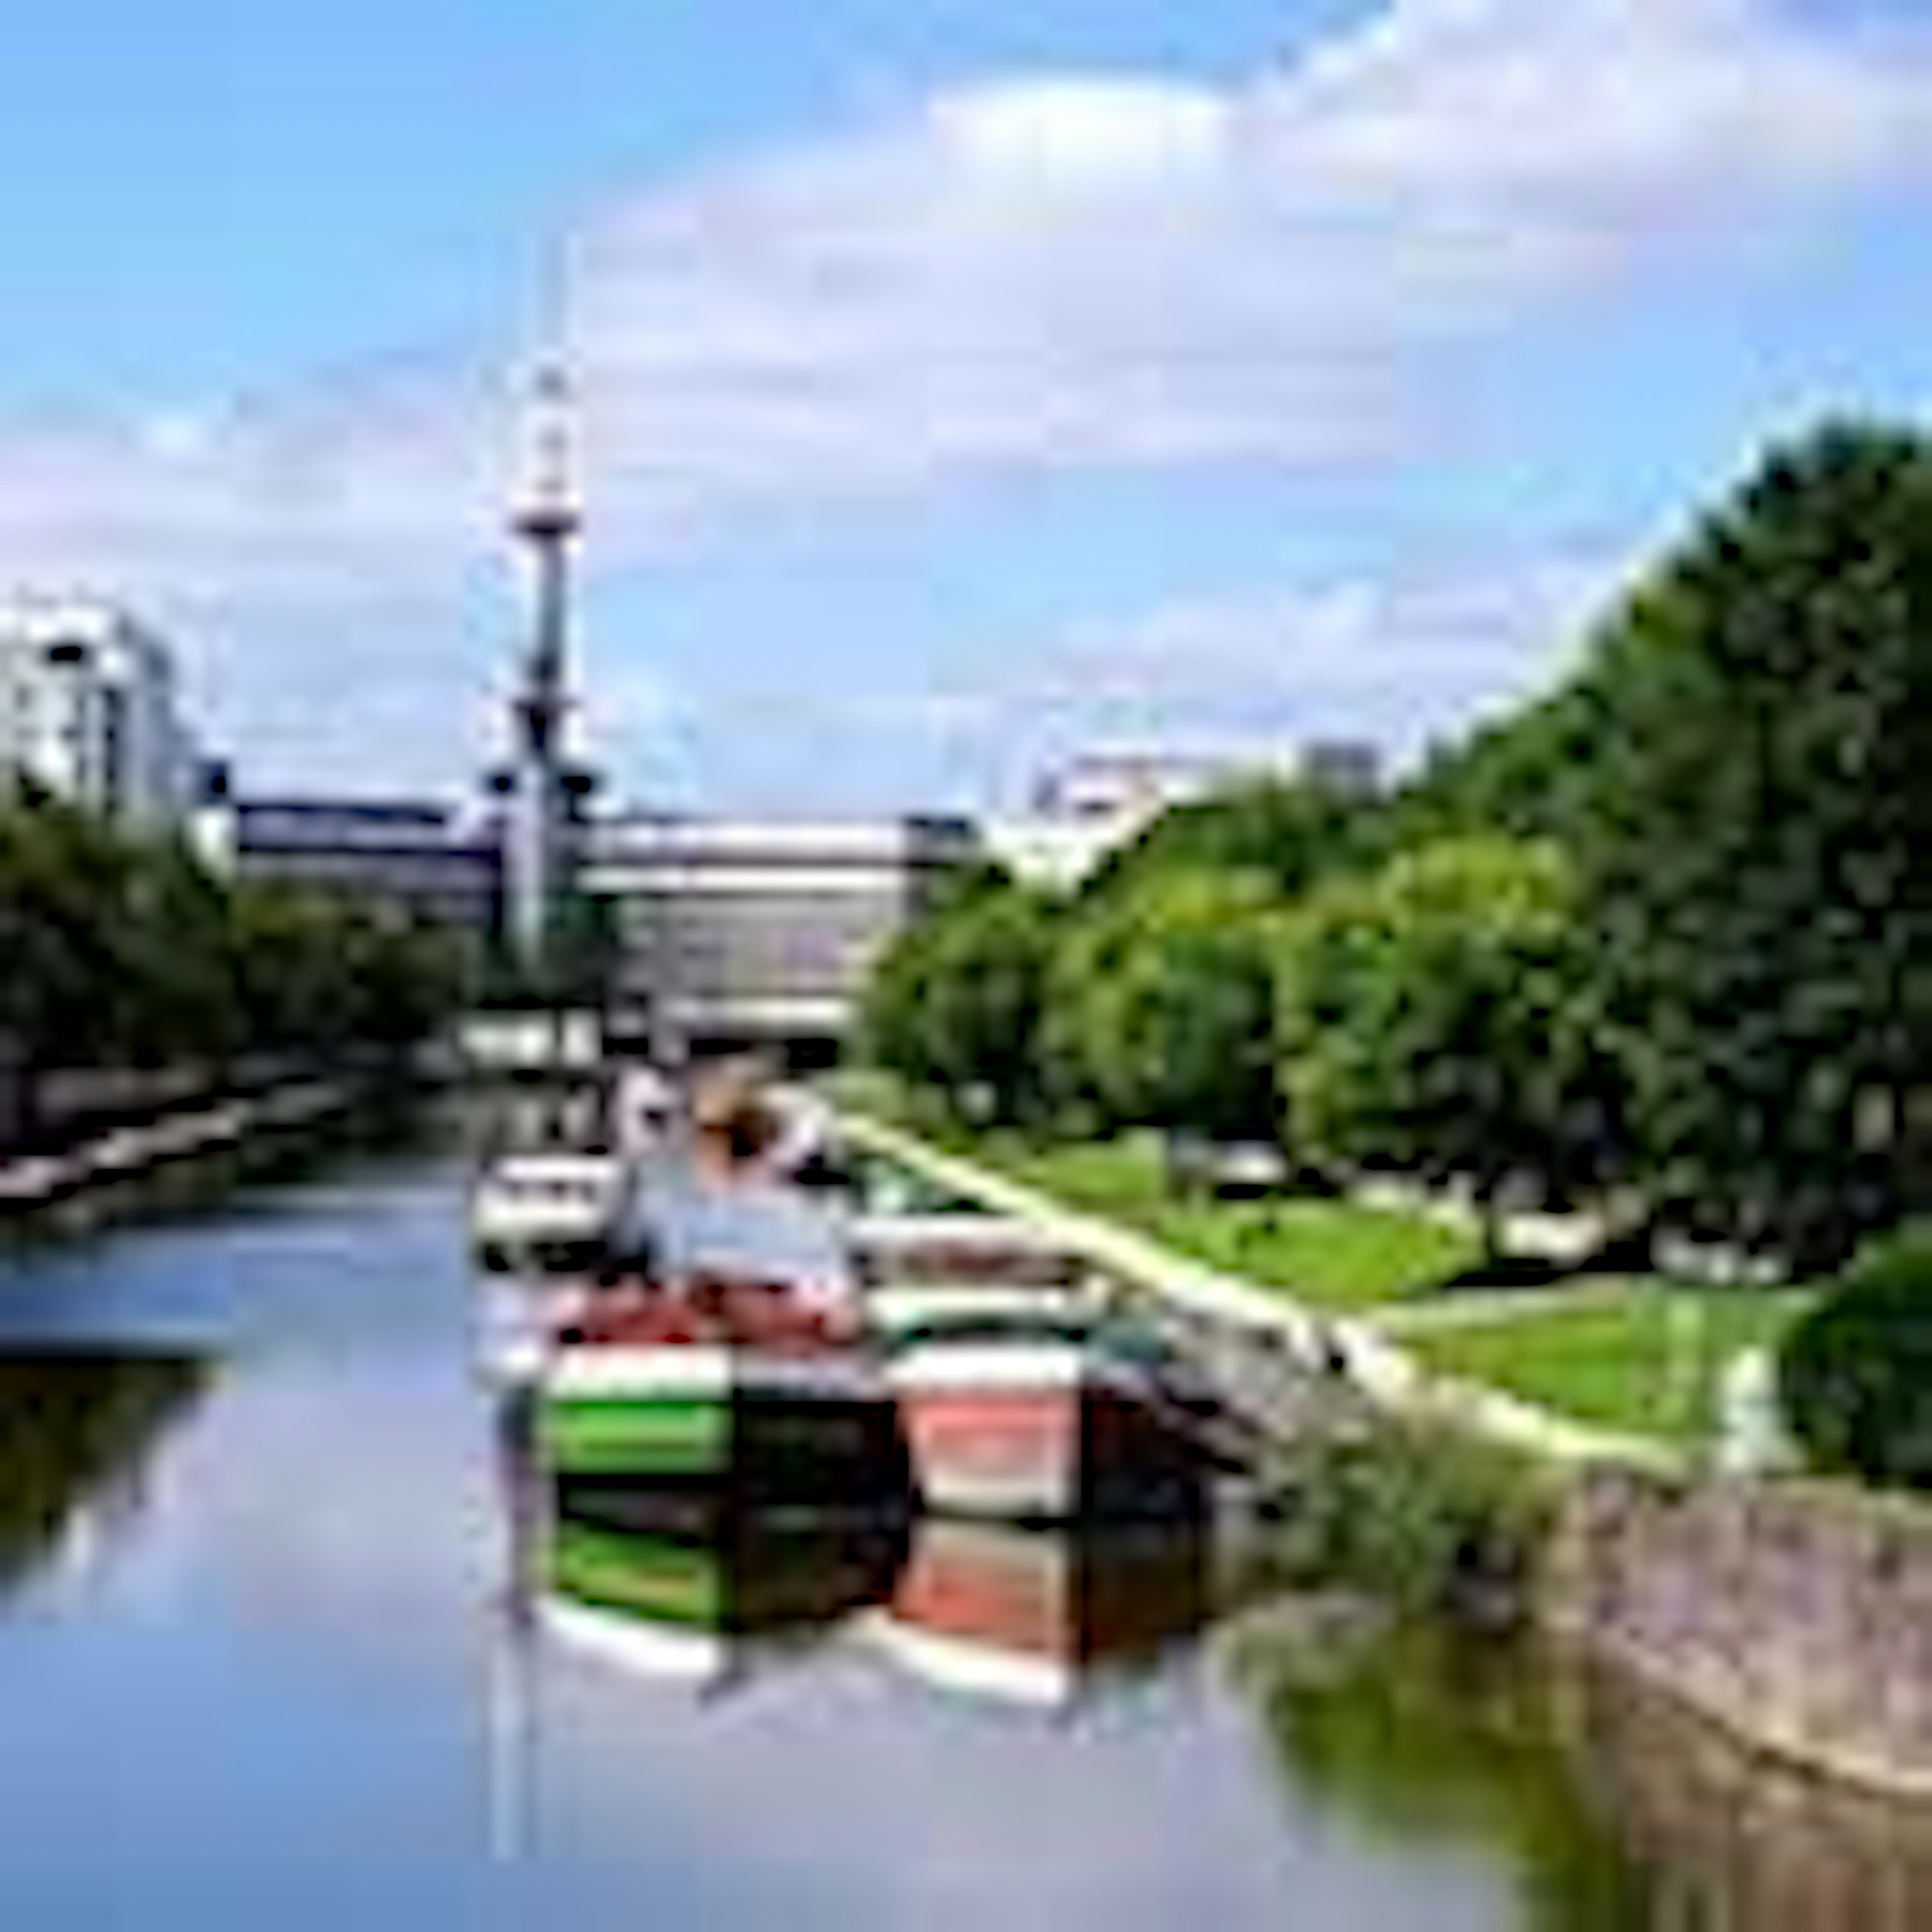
[1041,1406]
[961,1248]
[738,1389]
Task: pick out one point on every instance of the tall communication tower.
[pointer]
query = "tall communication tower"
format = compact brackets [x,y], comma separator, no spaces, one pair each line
[545,793]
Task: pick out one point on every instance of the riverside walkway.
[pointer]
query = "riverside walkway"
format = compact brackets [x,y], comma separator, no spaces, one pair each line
[31,1181]
[1260,1345]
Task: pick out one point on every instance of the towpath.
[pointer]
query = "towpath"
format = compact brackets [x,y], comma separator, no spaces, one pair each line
[1260,1342]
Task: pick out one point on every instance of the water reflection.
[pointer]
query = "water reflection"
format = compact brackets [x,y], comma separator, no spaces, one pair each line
[652,1585]
[1041,1618]
[77,1433]
[1422,1737]
[321,1598]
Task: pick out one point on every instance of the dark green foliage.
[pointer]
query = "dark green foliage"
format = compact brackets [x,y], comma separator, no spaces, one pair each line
[1741,775]
[1287,833]
[1440,1015]
[955,1003]
[1430,1519]
[1711,982]
[1160,1006]
[121,950]
[1857,1372]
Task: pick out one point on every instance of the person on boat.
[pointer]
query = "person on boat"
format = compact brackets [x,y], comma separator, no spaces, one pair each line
[643,1106]
[803,1147]
[727,1223]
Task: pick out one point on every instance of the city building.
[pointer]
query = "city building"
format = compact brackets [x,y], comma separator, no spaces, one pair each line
[88,710]
[1085,810]
[736,934]
[424,860]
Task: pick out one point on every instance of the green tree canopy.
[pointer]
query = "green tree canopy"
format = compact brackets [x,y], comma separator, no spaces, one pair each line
[1289,832]
[121,949]
[1160,1004]
[1440,1015]
[1761,709]
[955,1002]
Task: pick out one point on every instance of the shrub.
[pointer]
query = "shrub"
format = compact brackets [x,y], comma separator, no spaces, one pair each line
[1429,1519]
[1857,1372]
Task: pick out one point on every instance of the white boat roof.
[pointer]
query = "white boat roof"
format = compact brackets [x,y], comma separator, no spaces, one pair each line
[885,1232]
[511,1168]
[697,1369]
[908,1304]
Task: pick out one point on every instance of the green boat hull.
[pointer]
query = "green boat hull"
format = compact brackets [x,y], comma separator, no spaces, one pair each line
[779,1437]
[631,1436]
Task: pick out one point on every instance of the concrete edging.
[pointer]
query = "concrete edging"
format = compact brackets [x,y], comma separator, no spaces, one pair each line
[1388,1376]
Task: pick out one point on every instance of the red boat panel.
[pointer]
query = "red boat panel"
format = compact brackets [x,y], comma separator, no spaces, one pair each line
[765,1315]
[994,1435]
[1009,1593]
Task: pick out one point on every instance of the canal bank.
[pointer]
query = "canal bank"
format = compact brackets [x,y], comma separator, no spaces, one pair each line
[265,1659]
[1797,1616]
[133,1126]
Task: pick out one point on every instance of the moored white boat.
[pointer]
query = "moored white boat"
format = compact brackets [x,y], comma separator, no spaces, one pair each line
[552,1209]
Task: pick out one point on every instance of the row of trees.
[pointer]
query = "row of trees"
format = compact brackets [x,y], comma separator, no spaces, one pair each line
[1662,929]
[121,950]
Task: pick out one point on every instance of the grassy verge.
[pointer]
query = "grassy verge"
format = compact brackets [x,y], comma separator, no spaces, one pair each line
[1646,1359]
[1649,1363]
[1329,1254]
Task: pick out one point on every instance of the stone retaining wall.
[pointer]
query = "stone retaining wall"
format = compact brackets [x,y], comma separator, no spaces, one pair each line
[1722,1837]
[1798,1615]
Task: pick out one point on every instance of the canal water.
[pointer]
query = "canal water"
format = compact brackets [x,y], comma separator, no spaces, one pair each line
[271,1655]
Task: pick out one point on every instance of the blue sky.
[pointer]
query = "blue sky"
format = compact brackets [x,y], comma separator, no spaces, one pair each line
[967,383]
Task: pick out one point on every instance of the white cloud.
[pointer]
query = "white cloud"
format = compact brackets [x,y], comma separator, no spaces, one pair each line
[1094,272]
[1047,273]
[1247,674]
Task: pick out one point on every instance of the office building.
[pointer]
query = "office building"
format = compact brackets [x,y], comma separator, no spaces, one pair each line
[422,860]
[88,710]
[736,934]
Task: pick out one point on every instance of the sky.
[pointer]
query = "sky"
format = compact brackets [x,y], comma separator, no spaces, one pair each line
[966,384]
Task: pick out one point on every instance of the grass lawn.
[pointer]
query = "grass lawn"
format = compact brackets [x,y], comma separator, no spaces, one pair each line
[1329,1254]
[1649,1364]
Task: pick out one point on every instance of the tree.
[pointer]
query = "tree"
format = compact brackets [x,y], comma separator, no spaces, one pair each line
[955,1003]
[1160,1006]
[121,950]
[1289,832]
[1742,773]
[1439,1015]
[1760,712]
[1856,1372]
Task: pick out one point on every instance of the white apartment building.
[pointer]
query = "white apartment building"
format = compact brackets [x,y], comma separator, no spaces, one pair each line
[88,709]
[1084,811]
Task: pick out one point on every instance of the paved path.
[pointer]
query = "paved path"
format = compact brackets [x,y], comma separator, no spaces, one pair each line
[1498,1308]
[1263,1324]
